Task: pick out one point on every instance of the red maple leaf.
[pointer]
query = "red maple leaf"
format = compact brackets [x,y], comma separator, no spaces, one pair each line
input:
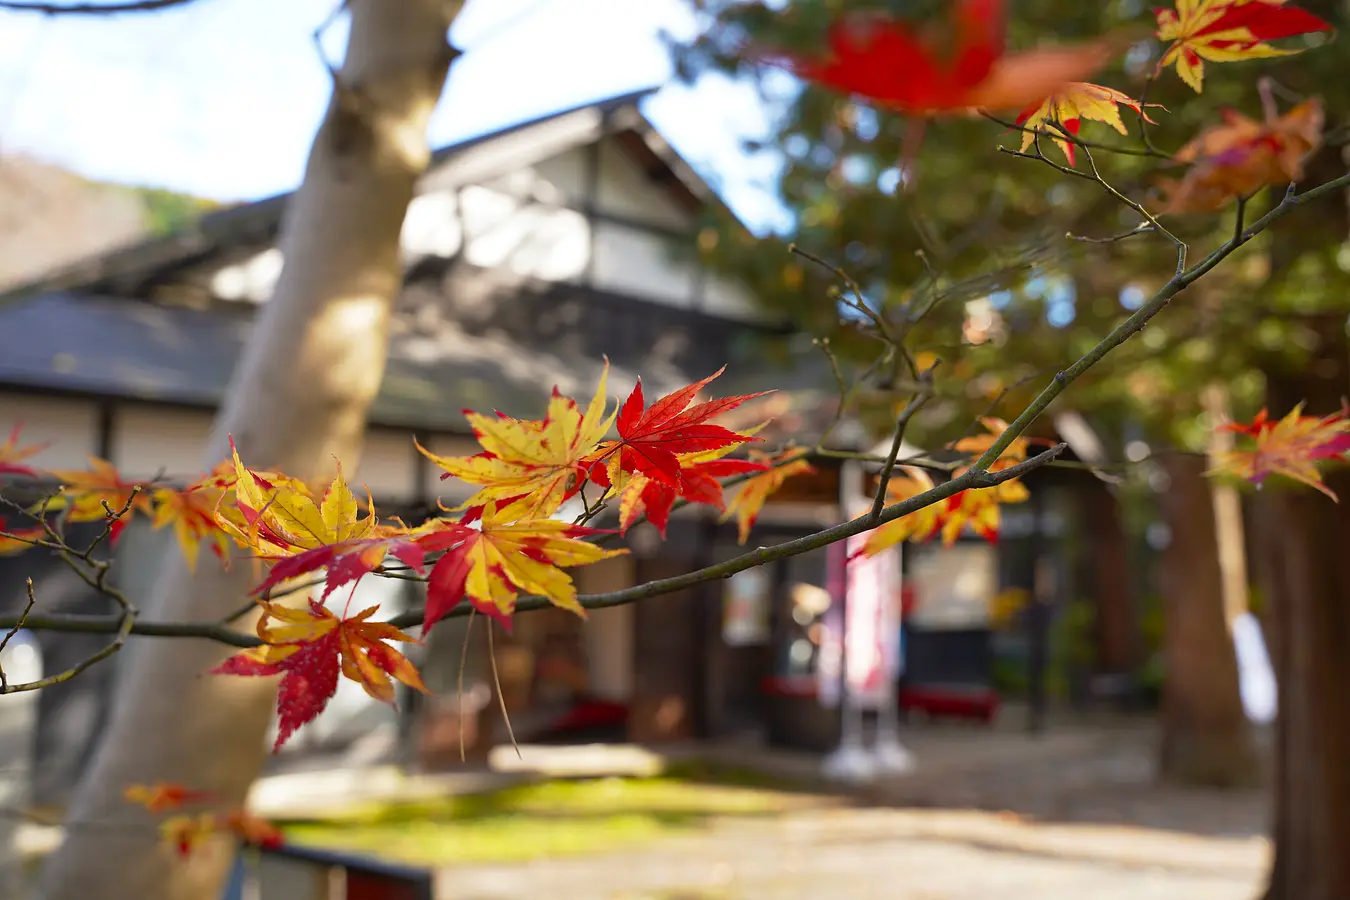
[650,439]
[312,649]
[697,484]
[886,60]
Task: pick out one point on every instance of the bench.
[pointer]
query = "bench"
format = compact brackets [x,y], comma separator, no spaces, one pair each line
[305,873]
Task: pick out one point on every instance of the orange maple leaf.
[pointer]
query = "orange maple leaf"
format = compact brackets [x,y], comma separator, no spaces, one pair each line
[977,444]
[162,796]
[749,500]
[12,455]
[1291,447]
[918,526]
[1242,156]
[16,539]
[192,513]
[886,60]
[1227,31]
[88,494]
[490,566]
[1063,113]
[186,833]
[311,649]
[531,465]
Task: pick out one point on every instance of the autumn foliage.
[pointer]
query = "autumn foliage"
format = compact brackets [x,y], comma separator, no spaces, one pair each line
[538,483]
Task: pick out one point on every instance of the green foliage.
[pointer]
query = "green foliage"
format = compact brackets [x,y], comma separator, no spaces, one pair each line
[978,224]
[167,212]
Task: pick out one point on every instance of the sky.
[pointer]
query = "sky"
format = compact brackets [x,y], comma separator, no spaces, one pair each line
[221,98]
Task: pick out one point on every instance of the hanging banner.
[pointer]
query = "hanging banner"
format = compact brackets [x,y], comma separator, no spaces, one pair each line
[829,664]
[872,626]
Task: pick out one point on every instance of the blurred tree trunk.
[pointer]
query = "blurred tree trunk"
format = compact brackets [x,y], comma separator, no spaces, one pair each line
[1206,738]
[1304,537]
[299,398]
[1111,578]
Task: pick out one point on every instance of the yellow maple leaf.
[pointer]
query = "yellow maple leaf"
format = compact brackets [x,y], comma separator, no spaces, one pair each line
[279,516]
[1063,113]
[533,465]
[493,564]
[977,444]
[749,500]
[918,526]
[1227,31]
[192,513]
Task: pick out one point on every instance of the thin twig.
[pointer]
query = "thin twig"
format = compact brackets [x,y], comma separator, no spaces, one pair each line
[23,617]
[898,438]
[501,698]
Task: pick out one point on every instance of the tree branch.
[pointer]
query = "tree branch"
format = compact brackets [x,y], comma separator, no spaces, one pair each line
[91,9]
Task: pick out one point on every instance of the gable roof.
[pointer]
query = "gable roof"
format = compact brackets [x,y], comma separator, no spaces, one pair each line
[122,271]
[88,329]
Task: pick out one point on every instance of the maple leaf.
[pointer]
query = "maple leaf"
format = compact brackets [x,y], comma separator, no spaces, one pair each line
[490,566]
[1291,447]
[279,516]
[1242,156]
[15,540]
[886,60]
[1063,113]
[192,513]
[311,649]
[186,833]
[979,509]
[162,796]
[12,455]
[977,444]
[754,491]
[1227,31]
[84,493]
[918,526]
[651,439]
[697,484]
[533,465]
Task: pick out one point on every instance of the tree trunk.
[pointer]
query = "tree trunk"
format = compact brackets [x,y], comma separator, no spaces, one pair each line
[1305,537]
[1111,579]
[299,399]
[1206,738]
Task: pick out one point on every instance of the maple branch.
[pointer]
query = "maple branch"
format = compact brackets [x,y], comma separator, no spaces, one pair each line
[917,403]
[1136,321]
[1068,138]
[91,9]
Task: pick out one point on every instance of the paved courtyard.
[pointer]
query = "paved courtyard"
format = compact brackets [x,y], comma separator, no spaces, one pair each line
[988,815]
[860,854]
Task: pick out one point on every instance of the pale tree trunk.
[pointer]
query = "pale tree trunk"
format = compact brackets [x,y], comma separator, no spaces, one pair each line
[299,399]
[1206,738]
[1228,532]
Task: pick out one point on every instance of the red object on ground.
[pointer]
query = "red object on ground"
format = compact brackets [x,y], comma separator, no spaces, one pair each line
[959,702]
[589,714]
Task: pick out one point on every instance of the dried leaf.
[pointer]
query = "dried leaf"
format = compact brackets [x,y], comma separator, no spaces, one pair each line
[1227,31]
[1242,156]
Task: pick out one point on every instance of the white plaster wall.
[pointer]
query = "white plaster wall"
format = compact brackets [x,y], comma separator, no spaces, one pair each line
[634,262]
[148,440]
[625,190]
[387,467]
[71,427]
[526,238]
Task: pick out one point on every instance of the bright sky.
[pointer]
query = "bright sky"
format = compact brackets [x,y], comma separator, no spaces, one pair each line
[221,98]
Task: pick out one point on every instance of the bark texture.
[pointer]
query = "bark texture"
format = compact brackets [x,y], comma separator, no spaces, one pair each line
[1206,738]
[299,399]
[1304,537]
